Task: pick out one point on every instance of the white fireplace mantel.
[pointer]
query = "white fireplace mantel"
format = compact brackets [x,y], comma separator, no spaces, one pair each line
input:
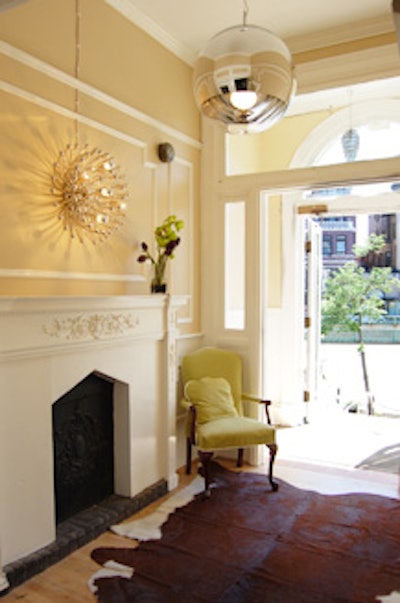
[47,346]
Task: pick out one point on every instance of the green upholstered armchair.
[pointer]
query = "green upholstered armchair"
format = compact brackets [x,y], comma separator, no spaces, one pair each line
[213,397]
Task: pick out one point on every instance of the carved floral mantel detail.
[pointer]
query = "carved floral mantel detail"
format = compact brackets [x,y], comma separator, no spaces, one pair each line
[93,326]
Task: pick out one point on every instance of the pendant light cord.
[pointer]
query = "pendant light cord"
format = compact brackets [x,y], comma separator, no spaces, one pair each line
[245,13]
[77,62]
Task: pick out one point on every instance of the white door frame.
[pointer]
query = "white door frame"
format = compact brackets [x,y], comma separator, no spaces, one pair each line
[272,338]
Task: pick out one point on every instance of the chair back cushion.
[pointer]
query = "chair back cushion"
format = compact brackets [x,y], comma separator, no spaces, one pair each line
[212,398]
[215,362]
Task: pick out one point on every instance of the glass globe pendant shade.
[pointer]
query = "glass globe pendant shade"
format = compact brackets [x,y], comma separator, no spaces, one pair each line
[350,144]
[244,78]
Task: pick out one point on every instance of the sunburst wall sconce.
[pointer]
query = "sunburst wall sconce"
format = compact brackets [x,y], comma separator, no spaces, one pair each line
[244,78]
[90,194]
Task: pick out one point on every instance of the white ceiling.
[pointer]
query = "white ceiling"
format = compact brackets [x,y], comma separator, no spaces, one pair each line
[188,24]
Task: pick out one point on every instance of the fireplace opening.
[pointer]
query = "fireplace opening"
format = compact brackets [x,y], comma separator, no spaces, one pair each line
[83,446]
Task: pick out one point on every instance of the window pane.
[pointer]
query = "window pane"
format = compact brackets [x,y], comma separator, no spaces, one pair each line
[327,245]
[341,245]
[235,219]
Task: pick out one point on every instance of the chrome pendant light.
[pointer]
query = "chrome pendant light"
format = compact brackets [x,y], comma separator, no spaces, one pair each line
[244,78]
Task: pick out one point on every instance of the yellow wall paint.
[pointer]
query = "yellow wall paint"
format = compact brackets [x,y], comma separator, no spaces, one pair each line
[138,70]
[120,60]
[273,149]
[44,29]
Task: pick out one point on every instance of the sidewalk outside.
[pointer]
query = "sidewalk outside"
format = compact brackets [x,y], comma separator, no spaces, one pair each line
[341,379]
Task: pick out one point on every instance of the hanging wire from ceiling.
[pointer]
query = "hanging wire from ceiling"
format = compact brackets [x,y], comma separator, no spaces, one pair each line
[90,194]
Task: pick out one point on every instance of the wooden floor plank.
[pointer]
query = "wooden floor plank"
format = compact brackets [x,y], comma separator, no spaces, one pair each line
[67,580]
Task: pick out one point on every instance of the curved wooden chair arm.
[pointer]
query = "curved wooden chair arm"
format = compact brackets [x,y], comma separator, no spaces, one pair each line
[267,403]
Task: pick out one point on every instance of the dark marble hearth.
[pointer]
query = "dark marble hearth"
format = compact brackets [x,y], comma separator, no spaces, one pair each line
[81,529]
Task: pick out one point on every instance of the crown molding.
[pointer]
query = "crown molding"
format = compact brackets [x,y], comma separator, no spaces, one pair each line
[133,14]
[349,32]
[349,69]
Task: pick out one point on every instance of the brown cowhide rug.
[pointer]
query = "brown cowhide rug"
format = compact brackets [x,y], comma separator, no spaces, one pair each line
[247,544]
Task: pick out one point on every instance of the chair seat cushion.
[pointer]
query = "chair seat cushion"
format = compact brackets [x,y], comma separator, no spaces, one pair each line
[212,398]
[233,432]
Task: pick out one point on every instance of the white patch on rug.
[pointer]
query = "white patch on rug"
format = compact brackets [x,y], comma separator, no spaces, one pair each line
[149,527]
[110,569]
[394,597]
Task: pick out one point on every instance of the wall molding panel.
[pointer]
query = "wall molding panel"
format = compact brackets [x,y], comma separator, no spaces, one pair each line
[64,78]
[21,87]
[63,275]
[55,108]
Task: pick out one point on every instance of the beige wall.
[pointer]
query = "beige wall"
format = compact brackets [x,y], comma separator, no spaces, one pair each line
[273,149]
[140,95]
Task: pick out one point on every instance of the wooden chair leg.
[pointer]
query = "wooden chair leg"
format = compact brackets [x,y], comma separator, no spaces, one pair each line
[239,462]
[205,458]
[273,449]
[188,456]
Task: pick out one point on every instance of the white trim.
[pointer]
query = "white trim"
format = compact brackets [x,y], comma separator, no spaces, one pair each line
[383,89]
[346,69]
[189,225]
[80,276]
[136,16]
[187,336]
[352,173]
[56,74]
[50,106]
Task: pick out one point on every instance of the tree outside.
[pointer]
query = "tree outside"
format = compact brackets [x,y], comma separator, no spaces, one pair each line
[353,298]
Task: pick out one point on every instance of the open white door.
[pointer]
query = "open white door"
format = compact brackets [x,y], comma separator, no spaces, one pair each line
[313,269]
